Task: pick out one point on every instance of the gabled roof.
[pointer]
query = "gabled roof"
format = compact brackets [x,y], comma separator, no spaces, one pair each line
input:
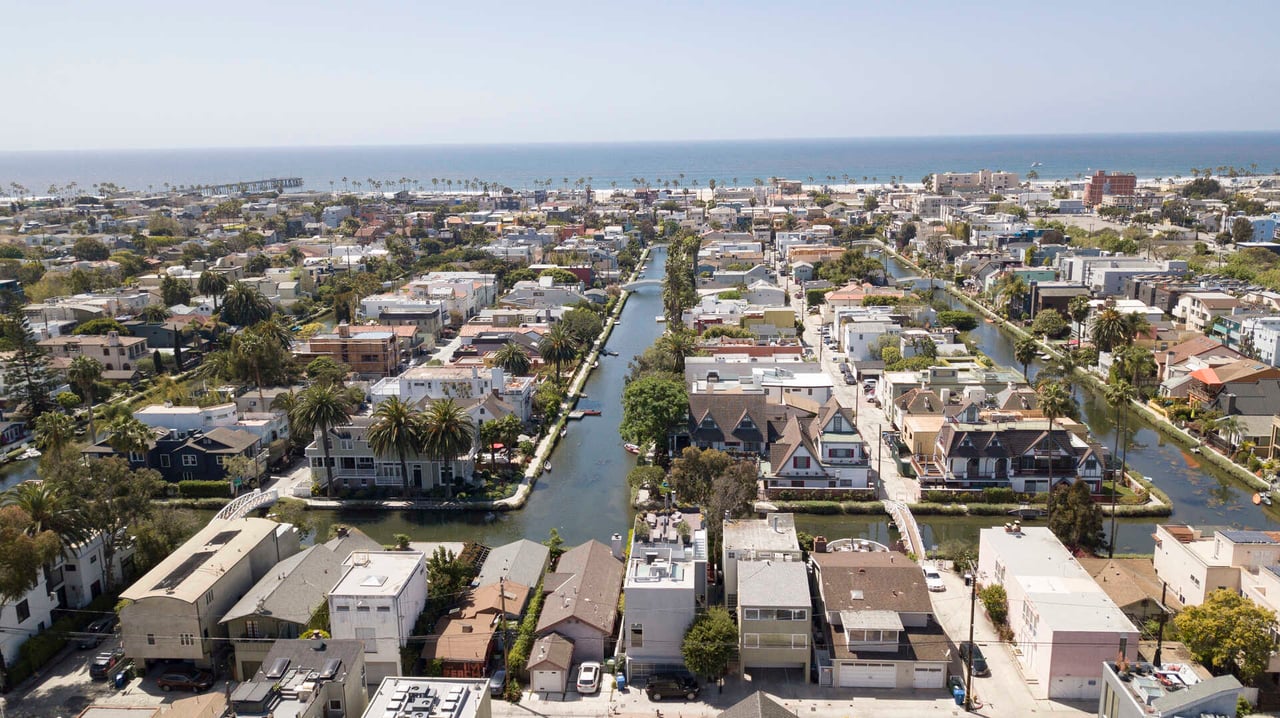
[919,401]
[552,650]
[1195,347]
[588,593]
[871,581]
[756,705]
[793,438]
[1243,370]
[522,561]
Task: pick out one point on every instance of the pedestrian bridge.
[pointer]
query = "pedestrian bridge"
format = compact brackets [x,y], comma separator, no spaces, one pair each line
[642,283]
[243,504]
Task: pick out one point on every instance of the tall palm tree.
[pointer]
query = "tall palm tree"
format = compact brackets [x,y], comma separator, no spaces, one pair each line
[1024,352]
[84,374]
[245,306]
[255,351]
[1118,395]
[321,408]
[48,509]
[557,346]
[1055,403]
[513,359]
[1134,324]
[1229,428]
[155,313]
[397,429]
[275,331]
[1078,311]
[54,432]
[212,284]
[447,434]
[680,343]
[128,435]
[1109,329]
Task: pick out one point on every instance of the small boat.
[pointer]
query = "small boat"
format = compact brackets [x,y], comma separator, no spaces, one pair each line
[595,364]
[564,431]
[546,468]
[1266,498]
[661,319]
[591,412]
[30,453]
[631,448]
[1037,164]
[1195,449]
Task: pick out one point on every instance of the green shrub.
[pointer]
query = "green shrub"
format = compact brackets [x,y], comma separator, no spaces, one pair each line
[996,601]
[999,495]
[204,489]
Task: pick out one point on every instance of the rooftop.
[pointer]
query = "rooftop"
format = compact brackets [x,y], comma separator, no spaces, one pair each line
[378,573]
[204,559]
[399,697]
[775,532]
[777,584]
[1173,689]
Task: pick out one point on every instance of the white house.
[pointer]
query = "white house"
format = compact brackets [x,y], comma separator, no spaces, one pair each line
[772,538]
[665,585]
[377,600]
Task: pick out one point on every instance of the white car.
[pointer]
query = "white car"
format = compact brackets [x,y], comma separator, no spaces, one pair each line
[589,678]
[933,580]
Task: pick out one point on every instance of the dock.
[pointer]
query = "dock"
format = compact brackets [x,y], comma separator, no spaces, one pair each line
[278,184]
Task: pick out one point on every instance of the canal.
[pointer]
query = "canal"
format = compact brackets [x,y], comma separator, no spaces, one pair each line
[1201,493]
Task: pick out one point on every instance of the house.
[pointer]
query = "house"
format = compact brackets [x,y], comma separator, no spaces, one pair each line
[377,599]
[1144,690]
[522,561]
[756,705]
[207,705]
[1132,584]
[354,465]
[773,616]
[877,621]
[1064,623]
[665,587]
[414,697]
[582,600]
[772,538]
[1194,563]
[194,455]
[464,640]
[370,354]
[173,611]
[420,383]
[281,604]
[1207,383]
[1200,347]
[1198,310]
[118,355]
[818,456]
[317,678]
[550,664]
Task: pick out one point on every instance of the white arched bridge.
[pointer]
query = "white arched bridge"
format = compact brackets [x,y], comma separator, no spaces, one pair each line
[642,283]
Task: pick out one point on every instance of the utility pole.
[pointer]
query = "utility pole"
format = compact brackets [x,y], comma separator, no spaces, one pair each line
[880,457]
[502,637]
[1164,614]
[972,579]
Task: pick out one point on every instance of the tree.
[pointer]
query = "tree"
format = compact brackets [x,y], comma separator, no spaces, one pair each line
[23,553]
[960,320]
[100,327]
[505,431]
[558,346]
[88,249]
[1024,352]
[680,343]
[447,435]
[583,325]
[710,644]
[1241,230]
[1228,633]
[1055,403]
[174,291]
[692,474]
[27,372]
[324,370]
[212,284]
[127,435]
[255,352]
[646,476]
[321,408]
[1109,330]
[55,433]
[1050,324]
[1075,518]
[244,306]
[163,532]
[554,544]
[1078,310]
[397,430]
[48,509]
[154,314]
[1118,395]
[84,373]
[1011,290]
[513,359]
[651,407]
[448,574]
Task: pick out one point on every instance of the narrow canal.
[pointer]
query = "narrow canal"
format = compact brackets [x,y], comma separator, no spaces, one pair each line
[585,496]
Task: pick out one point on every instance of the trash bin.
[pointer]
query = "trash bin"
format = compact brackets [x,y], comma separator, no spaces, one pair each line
[621,678]
[610,665]
[122,678]
[958,694]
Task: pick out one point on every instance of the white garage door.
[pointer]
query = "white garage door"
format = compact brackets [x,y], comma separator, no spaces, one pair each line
[868,675]
[1075,688]
[929,677]
[547,681]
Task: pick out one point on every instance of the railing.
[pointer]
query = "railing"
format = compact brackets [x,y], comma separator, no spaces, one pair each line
[242,505]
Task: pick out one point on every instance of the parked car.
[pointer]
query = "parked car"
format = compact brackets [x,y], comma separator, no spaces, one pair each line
[933,580]
[497,683]
[98,631]
[185,680]
[104,662]
[589,678]
[663,685]
[979,661]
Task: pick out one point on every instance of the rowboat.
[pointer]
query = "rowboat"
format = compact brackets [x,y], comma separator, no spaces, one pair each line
[631,448]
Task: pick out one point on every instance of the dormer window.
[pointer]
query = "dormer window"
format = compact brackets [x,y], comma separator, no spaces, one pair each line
[746,423]
[995,443]
[967,443]
[708,423]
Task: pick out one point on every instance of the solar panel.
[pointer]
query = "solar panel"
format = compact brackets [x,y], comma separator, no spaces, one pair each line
[183,570]
[278,667]
[222,537]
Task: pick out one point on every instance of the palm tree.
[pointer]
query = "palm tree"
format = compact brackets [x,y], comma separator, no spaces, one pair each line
[1010,291]
[513,359]
[397,429]
[321,408]
[54,432]
[1024,352]
[1078,311]
[255,351]
[1109,329]
[84,373]
[447,434]
[1054,403]
[680,343]
[1229,429]
[48,509]
[557,346]
[1135,324]
[1118,395]
[155,313]
[128,435]
[245,306]
[212,284]
[275,331]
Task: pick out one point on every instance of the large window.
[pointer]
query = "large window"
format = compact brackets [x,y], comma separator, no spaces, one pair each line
[190,459]
[637,635]
[800,462]
[24,611]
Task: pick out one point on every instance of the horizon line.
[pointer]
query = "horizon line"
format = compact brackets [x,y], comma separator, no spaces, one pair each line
[591,143]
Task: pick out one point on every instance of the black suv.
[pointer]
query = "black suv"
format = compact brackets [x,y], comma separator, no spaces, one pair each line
[104,662]
[663,685]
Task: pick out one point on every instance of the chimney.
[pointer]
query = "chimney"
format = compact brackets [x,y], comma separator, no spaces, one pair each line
[615,542]
[819,544]
[344,330]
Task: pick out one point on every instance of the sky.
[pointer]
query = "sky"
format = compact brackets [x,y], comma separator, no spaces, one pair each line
[149,74]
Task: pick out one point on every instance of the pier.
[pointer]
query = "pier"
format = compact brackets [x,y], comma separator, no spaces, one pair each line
[278,184]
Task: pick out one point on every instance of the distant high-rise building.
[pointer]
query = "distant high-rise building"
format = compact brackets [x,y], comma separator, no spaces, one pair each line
[982,180]
[1101,183]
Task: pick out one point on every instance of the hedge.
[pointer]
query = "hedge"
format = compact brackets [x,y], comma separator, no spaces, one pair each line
[43,647]
[518,655]
[204,489]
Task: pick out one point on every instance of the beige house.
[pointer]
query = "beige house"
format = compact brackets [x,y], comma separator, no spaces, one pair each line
[772,538]
[1194,564]
[773,617]
[550,663]
[173,612]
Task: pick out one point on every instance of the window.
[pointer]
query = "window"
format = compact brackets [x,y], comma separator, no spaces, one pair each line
[637,635]
[208,597]
[136,457]
[342,607]
[222,460]
[24,611]
[151,639]
[335,704]
[751,614]
[384,609]
[186,639]
[751,640]
[362,609]
[800,462]
[252,630]
[164,461]
[190,460]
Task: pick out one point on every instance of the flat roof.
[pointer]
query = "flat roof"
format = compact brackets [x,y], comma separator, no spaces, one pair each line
[400,697]
[378,573]
[775,532]
[205,558]
[778,584]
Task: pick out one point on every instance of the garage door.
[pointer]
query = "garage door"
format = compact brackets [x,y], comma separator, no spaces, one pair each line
[868,675]
[929,677]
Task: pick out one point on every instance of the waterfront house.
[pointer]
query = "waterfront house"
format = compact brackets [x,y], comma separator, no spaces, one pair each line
[522,561]
[581,601]
[355,466]
[464,640]
[194,455]
[1142,691]
[1065,625]
[1195,562]
[876,622]
[665,587]
[377,599]
[772,538]
[281,603]
[773,616]
[825,454]
[173,612]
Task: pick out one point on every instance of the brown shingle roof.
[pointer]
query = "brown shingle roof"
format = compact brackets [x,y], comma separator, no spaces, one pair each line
[888,581]
[590,591]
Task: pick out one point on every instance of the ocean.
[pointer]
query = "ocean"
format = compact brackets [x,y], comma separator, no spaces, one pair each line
[728,162]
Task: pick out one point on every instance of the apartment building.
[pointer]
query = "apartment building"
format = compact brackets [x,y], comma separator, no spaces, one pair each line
[1100,184]
[665,587]
[118,355]
[982,180]
[370,354]
[772,538]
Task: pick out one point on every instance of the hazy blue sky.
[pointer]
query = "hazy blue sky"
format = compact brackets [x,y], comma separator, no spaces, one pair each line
[145,73]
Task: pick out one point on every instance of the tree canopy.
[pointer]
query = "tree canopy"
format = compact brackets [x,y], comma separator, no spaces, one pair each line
[1228,633]
[1075,519]
[710,643]
[651,407]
